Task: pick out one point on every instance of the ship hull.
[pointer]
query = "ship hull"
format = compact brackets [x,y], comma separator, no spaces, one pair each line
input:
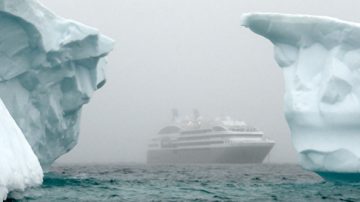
[231,154]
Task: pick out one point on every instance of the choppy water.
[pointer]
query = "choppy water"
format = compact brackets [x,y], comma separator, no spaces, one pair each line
[188,183]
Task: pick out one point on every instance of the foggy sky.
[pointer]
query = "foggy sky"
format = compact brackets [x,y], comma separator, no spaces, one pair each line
[185,54]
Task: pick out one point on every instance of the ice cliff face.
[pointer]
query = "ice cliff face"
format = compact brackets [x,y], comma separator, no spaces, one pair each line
[49,68]
[320,59]
[19,167]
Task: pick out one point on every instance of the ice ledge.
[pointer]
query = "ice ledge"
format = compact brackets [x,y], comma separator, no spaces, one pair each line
[302,30]
[250,18]
[56,31]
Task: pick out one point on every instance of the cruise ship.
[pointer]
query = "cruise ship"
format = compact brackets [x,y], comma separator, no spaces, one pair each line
[199,141]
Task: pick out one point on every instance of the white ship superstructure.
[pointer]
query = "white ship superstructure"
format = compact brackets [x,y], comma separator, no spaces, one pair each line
[217,141]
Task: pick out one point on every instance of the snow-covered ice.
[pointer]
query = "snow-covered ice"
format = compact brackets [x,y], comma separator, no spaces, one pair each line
[19,167]
[320,59]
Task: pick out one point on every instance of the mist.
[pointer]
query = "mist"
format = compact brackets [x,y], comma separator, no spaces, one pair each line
[183,54]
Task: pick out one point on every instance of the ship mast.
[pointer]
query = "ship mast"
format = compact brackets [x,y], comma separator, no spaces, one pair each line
[175,115]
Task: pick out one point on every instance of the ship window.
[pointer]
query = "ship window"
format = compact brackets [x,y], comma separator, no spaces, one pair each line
[200,143]
[219,128]
[185,138]
[247,129]
[196,131]
[169,130]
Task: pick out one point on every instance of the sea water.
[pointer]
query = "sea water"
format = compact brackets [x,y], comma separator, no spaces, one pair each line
[261,182]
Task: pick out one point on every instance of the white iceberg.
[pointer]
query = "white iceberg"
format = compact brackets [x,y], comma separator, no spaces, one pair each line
[19,167]
[320,59]
[49,68]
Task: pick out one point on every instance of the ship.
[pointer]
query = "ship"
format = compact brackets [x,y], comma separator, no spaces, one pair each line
[205,141]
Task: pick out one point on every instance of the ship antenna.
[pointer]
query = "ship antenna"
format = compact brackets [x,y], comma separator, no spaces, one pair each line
[196,114]
[175,115]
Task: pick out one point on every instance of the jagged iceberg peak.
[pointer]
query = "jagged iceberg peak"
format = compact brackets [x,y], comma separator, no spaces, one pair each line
[49,68]
[320,59]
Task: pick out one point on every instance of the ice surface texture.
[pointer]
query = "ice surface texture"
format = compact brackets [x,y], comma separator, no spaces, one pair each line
[49,68]
[19,167]
[320,59]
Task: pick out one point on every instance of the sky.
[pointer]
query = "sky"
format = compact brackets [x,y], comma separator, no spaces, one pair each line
[183,54]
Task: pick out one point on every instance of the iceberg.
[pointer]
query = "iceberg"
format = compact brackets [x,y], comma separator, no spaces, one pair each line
[19,166]
[320,60]
[49,68]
